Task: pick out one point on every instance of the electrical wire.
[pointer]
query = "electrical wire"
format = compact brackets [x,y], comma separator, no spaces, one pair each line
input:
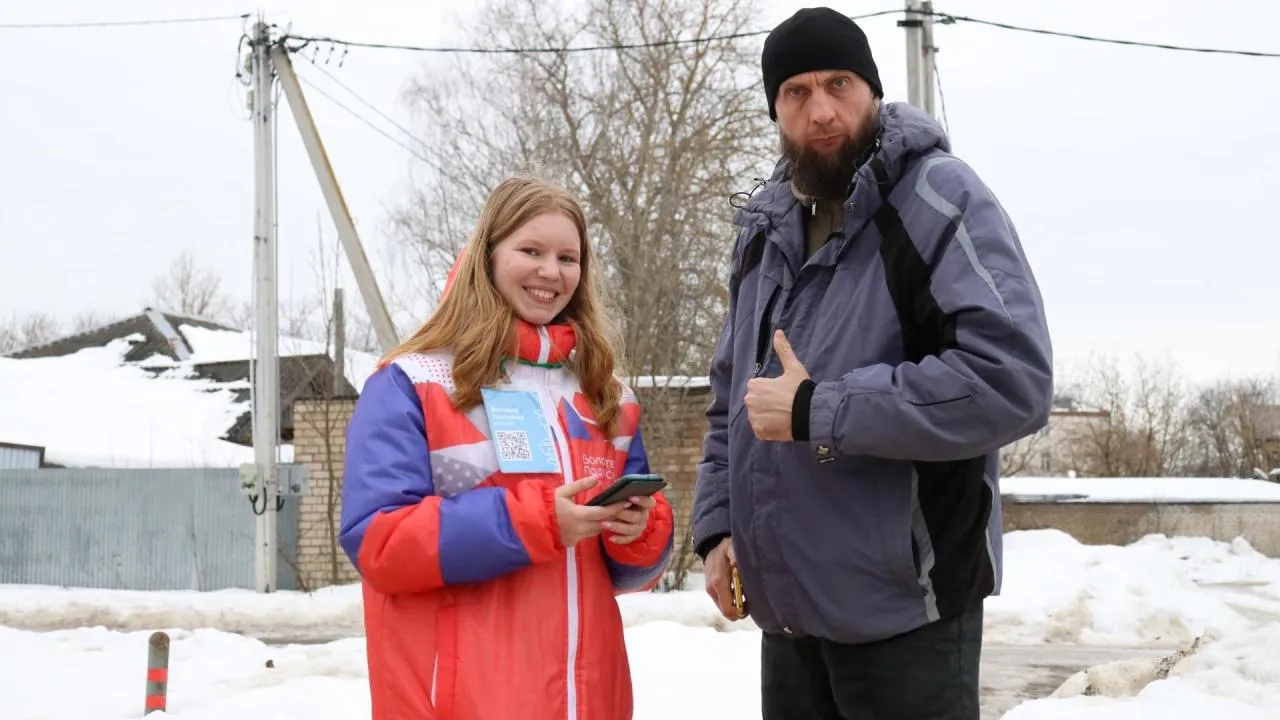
[120,23]
[941,17]
[553,50]
[416,153]
[942,98]
[947,19]
[364,102]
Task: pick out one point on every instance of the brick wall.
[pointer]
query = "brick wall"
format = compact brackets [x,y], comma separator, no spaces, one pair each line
[319,442]
[674,424]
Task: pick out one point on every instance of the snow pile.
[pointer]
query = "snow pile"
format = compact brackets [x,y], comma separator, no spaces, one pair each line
[211,675]
[328,613]
[91,409]
[1158,591]
[1235,675]
[677,670]
[1161,592]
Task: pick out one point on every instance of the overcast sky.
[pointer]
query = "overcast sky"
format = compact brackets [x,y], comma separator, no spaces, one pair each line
[1143,182]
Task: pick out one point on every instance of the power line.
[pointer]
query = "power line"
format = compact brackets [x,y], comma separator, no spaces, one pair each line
[364,102]
[553,50]
[120,23]
[937,79]
[416,153]
[944,18]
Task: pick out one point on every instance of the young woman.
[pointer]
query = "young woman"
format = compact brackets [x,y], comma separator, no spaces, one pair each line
[489,587]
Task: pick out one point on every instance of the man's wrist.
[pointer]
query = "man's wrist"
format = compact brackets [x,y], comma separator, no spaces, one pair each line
[800,410]
[706,546]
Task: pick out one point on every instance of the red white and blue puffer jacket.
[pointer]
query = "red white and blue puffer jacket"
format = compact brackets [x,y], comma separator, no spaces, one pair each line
[473,608]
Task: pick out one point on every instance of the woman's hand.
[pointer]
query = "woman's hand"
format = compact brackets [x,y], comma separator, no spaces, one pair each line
[579,522]
[630,522]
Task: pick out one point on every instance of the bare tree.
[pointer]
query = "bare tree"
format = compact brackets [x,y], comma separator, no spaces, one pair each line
[1232,422]
[1019,457]
[1146,431]
[652,139]
[189,289]
[24,331]
[1160,407]
[87,320]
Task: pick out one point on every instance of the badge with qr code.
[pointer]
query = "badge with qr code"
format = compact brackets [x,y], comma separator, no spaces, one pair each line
[521,437]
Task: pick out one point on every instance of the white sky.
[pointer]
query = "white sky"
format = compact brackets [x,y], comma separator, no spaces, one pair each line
[1138,178]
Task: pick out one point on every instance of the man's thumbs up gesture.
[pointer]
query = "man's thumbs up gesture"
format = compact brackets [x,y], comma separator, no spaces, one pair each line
[769,400]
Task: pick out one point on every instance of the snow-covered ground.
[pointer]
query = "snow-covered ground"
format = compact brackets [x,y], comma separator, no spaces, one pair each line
[1159,592]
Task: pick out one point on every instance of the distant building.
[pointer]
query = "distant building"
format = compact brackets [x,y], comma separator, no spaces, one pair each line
[21,457]
[1052,451]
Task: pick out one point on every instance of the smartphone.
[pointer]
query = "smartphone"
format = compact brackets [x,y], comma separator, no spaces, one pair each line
[629,486]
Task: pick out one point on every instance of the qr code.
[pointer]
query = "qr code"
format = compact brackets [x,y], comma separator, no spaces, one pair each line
[514,445]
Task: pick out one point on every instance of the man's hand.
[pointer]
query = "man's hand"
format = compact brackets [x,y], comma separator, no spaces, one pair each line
[579,522]
[627,525]
[769,400]
[718,573]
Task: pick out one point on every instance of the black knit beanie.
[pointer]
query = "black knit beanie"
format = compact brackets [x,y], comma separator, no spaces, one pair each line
[816,39]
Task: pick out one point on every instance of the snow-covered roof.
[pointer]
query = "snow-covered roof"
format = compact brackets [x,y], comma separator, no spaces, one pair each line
[91,409]
[104,406]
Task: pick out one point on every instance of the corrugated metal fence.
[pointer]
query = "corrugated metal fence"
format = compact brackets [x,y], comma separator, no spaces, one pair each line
[161,529]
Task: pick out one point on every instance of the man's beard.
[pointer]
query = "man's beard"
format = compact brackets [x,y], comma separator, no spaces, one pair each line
[828,176]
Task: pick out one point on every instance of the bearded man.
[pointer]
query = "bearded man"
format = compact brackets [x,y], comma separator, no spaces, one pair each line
[885,338]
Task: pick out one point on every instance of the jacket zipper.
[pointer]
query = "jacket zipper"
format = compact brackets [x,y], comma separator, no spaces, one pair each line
[571,556]
[762,339]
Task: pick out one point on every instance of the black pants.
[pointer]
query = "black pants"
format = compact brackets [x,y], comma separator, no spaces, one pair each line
[930,673]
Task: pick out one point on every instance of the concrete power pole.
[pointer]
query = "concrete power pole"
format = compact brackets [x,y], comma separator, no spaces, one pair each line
[266,376]
[920,49]
[383,327]
[339,343]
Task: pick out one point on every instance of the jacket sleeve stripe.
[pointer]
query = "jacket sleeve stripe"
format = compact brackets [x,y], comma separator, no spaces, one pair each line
[387,466]
[956,215]
[477,539]
[637,462]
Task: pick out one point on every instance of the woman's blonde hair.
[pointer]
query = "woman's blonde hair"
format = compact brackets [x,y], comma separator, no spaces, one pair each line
[474,322]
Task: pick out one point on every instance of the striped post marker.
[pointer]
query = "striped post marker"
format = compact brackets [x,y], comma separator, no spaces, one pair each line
[157,672]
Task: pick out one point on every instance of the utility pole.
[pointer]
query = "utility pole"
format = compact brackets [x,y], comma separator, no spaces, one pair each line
[919,26]
[383,326]
[339,343]
[266,375]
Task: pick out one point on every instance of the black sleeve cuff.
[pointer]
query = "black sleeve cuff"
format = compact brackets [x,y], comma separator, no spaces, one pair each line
[800,410]
[708,545]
